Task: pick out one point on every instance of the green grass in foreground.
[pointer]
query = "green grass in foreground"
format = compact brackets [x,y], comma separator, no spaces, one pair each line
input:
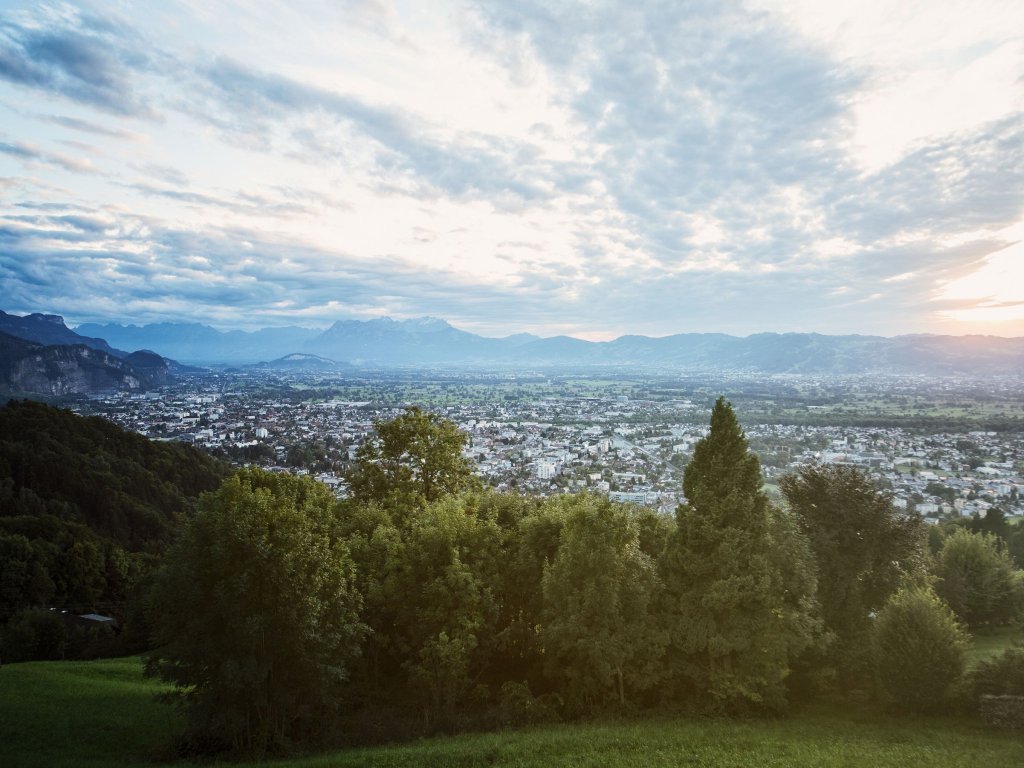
[102,714]
[82,713]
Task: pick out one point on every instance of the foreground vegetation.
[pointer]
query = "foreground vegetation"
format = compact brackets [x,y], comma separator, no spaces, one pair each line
[289,622]
[103,713]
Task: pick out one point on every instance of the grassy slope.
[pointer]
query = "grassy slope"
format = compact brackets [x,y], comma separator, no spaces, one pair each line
[991,642]
[103,714]
[81,713]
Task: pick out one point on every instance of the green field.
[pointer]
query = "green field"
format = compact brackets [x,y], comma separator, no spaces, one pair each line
[991,642]
[102,713]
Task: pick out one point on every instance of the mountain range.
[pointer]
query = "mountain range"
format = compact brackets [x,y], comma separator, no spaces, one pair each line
[429,341]
[39,353]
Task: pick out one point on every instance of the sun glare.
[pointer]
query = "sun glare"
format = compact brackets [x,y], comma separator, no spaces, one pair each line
[993,295]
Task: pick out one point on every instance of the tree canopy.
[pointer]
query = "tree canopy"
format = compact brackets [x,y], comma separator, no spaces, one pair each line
[863,546]
[976,578]
[86,507]
[411,460]
[737,624]
[601,629]
[256,615]
[919,650]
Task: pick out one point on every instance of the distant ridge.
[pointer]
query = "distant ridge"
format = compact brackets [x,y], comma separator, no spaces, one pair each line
[302,361]
[200,344]
[50,329]
[431,341]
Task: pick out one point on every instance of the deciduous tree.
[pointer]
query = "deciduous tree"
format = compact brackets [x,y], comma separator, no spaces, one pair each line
[413,459]
[976,578]
[919,650]
[601,631]
[256,617]
[863,548]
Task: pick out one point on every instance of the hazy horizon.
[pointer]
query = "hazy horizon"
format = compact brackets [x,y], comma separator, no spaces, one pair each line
[323,327]
[587,170]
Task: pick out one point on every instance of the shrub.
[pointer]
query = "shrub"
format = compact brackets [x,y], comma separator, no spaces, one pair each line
[1002,711]
[976,578]
[518,706]
[919,651]
[1000,675]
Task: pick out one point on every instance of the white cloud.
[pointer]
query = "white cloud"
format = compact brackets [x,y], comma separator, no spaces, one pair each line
[612,168]
[930,68]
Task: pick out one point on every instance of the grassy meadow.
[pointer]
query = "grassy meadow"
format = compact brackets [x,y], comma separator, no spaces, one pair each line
[102,713]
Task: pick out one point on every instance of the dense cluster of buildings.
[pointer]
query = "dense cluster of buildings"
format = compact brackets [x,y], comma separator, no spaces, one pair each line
[614,446]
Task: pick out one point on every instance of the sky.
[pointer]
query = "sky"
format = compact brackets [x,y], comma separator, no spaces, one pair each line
[584,168]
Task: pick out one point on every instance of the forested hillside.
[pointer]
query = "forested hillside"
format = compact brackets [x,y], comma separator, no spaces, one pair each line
[86,507]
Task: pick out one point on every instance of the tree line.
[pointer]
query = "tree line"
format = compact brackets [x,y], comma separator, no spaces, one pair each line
[425,603]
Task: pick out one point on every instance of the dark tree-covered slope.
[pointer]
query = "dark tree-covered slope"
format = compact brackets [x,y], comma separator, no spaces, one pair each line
[85,505]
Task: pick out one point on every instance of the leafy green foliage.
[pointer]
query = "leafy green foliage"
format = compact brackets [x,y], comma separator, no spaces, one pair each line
[256,614]
[122,486]
[600,591]
[452,561]
[919,650]
[863,548]
[1002,674]
[413,459]
[85,506]
[976,578]
[34,633]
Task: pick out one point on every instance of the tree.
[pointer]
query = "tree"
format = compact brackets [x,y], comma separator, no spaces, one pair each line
[863,548]
[413,459]
[256,618]
[600,592]
[976,578]
[738,613]
[446,591]
[993,522]
[919,650]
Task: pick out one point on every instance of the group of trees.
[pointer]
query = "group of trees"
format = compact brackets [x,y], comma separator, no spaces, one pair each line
[424,602]
[434,604]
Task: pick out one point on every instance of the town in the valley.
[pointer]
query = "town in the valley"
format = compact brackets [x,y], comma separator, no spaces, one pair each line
[945,448]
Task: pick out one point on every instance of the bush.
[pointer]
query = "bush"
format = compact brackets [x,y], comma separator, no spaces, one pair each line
[1000,675]
[1002,711]
[919,651]
[518,706]
[977,578]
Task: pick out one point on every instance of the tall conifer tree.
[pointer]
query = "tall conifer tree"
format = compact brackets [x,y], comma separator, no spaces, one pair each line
[741,597]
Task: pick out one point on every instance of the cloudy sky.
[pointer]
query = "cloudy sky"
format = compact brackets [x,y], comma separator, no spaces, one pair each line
[593,168]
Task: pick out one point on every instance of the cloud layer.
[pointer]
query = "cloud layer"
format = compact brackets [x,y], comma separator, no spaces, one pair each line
[593,169]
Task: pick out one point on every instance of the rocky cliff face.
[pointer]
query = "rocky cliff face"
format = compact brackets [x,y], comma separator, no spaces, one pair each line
[66,370]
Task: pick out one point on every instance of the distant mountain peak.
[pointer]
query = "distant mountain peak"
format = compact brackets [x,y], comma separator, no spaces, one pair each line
[427,324]
[424,324]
